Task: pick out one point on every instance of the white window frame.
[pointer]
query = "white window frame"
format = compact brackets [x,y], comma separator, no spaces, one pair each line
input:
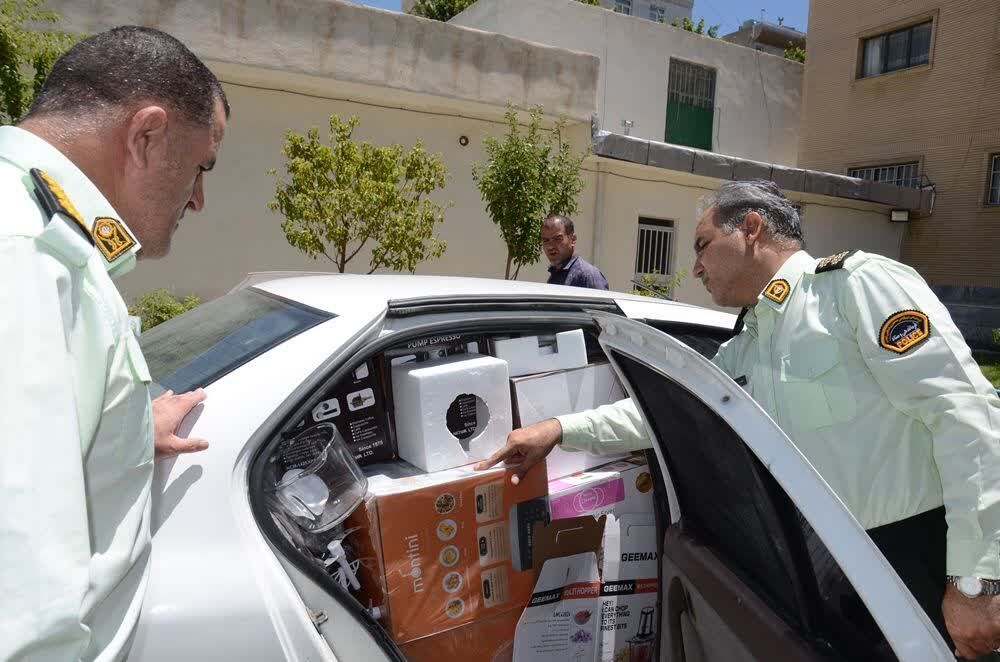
[890,173]
[654,248]
[657,13]
[623,7]
[993,183]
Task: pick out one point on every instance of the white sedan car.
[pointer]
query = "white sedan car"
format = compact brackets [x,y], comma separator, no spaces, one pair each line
[759,559]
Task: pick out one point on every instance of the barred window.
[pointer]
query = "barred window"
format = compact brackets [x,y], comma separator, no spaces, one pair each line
[654,249]
[657,13]
[691,84]
[900,174]
[993,195]
[623,6]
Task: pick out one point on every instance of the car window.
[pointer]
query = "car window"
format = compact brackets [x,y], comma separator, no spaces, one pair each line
[703,339]
[217,337]
[730,503]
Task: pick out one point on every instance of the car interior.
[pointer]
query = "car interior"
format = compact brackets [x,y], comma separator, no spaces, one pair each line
[739,576]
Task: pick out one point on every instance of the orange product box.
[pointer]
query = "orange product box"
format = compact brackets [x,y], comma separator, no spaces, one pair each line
[490,640]
[443,549]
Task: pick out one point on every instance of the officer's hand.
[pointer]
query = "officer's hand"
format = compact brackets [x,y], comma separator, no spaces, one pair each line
[526,447]
[973,623]
[168,412]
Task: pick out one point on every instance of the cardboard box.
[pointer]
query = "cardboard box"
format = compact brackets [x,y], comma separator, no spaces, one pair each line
[539,397]
[357,407]
[489,639]
[629,588]
[451,411]
[561,621]
[532,354]
[625,486]
[438,550]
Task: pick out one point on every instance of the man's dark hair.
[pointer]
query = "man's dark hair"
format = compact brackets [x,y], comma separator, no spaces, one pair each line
[567,223]
[734,199]
[125,65]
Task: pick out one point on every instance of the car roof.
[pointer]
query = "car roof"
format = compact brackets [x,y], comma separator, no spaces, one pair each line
[340,293]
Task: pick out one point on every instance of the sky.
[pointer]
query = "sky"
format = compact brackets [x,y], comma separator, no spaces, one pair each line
[727,13]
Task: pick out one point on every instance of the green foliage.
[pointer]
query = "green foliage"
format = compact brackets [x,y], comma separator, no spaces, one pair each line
[654,285]
[527,176]
[996,337]
[697,28]
[341,197]
[26,54]
[445,10]
[796,53]
[158,306]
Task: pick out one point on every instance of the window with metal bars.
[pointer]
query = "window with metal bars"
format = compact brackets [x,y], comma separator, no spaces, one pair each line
[654,248]
[657,13]
[623,6]
[993,194]
[900,49]
[690,105]
[900,174]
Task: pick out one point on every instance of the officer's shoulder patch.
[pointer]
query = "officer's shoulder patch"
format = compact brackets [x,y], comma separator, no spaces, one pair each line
[112,238]
[54,200]
[904,330]
[777,290]
[833,262]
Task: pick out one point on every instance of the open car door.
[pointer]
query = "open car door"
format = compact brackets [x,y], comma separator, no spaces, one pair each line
[760,559]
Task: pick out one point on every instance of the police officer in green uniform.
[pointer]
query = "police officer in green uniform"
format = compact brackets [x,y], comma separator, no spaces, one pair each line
[860,363]
[110,156]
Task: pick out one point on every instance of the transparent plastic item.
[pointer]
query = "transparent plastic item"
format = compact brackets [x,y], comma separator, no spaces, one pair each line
[318,482]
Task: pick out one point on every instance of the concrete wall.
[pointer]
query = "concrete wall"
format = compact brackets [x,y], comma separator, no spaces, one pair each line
[757,95]
[942,115]
[348,43]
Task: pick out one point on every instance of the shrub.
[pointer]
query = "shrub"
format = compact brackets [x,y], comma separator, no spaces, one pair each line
[158,306]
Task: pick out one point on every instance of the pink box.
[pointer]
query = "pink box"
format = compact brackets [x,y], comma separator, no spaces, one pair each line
[586,500]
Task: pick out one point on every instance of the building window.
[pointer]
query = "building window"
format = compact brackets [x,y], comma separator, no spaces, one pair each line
[657,13]
[892,51]
[900,174]
[993,195]
[654,249]
[690,105]
[623,7]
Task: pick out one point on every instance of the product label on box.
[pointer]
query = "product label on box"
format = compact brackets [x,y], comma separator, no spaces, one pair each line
[494,546]
[630,589]
[461,418]
[489,501]
[588,499]
[496,587]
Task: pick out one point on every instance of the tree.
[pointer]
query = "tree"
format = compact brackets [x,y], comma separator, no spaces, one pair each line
[697,28]
[26,54]
[527,177]
[340,198]
[158,306]
[445,10]
[796,53]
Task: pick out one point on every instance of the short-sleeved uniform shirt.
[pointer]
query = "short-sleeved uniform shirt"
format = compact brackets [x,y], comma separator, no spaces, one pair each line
[862,366]
[76,451]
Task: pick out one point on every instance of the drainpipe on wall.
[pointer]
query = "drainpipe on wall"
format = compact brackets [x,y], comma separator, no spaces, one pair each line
[598,215]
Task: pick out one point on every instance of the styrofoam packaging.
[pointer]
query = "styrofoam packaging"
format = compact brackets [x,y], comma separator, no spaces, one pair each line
[540,397]
[629,588]
[526,355]
[451,411]
[615,489]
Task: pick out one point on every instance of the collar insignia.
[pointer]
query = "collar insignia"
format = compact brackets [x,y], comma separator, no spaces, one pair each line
[111,238]
[833,262]
[904,331]
[54,200]
[777,290]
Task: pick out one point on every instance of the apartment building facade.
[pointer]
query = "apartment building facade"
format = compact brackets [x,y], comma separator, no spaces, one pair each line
[908,93]
[661,11]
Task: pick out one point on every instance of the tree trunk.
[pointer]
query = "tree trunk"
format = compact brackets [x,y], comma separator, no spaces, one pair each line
[510,259]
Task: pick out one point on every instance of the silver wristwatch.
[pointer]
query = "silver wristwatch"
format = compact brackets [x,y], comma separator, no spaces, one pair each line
[973,587]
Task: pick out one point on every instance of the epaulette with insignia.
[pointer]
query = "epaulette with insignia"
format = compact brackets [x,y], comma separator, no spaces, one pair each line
[833,262]
[53,200]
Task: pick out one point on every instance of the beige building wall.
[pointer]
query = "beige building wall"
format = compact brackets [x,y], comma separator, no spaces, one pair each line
[944,115]
[757,95]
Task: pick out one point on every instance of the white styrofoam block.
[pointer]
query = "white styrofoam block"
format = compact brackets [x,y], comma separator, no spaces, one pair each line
[525,356]
[553,394]
[423,393]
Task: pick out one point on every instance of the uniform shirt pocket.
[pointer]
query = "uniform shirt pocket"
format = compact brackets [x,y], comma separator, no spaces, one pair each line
[815,387]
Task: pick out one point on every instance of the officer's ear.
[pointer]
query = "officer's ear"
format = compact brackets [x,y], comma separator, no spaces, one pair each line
[753,227]
[146,135]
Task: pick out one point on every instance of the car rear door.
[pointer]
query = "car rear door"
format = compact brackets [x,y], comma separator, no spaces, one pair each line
[761,560]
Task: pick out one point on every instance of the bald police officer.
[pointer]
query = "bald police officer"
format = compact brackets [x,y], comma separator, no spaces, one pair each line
[862,366]
[100,172]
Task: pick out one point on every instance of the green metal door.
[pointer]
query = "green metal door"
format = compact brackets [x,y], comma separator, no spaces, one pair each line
[690,105]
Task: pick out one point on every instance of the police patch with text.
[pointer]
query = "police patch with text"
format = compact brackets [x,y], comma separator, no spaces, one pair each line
[904,330]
